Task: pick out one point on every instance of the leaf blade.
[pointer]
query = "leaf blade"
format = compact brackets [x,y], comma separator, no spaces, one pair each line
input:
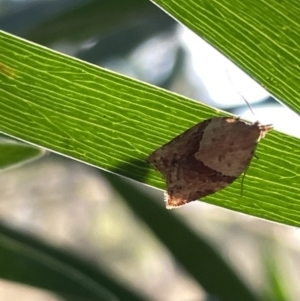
[258,36]
[14,153]
[113,122]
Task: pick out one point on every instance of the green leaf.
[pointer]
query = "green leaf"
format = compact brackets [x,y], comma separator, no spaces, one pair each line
[15,153]
[261,37]
[27,260]
[113,122]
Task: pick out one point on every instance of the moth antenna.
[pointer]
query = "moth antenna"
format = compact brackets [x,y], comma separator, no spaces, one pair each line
[243,179]
[239,93]
[244,173]
[247,103]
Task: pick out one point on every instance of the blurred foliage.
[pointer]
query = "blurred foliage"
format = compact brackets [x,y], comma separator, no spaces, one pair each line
[97,31]
[14,153]
[27,260]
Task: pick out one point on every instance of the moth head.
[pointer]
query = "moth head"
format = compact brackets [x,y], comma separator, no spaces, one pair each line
[264,129]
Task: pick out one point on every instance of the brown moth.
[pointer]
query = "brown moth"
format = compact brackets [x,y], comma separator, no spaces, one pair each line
[206,158]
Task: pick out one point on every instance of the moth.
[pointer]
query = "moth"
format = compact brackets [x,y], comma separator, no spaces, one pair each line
[206,158]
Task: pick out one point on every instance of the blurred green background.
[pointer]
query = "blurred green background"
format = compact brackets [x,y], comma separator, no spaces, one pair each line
[71,232]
